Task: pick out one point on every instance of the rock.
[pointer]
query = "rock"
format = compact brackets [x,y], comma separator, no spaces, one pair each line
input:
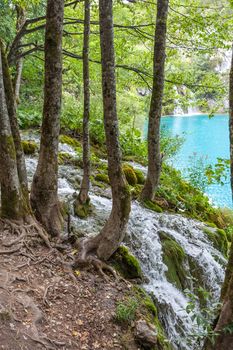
[145,334]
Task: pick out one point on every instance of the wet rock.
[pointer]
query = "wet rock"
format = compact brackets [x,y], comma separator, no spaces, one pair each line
[145,334]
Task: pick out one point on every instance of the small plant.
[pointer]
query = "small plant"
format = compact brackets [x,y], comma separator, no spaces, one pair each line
[126,311]
[202,317]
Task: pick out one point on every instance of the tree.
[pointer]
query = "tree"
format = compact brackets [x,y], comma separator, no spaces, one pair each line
[12,202]
[113,232]
[11,108]
[82,202]
[154,155]
[44,196]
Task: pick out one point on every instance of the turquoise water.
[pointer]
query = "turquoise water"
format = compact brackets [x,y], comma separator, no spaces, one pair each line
[206,138]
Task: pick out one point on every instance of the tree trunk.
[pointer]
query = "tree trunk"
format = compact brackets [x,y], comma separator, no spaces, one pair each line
[113,232]
[21,18]
[44,196]
[11,107]
[154,156]
[83,199]
[224,340]
[12,201]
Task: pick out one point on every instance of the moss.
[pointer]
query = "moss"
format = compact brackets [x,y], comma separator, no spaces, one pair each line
[140,176]
[136,191]
[173,258]
[82,210]
[66,158]
[219,239]
[126,263]
[153,206]
[69,141]
[102,177]
[29,147]
[130,175]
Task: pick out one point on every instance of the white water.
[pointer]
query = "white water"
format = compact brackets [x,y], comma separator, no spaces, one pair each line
[143,240]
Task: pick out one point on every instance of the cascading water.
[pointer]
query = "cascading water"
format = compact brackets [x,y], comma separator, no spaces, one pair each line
[143,238]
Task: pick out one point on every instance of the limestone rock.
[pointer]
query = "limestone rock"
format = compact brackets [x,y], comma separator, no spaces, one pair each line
[146,334]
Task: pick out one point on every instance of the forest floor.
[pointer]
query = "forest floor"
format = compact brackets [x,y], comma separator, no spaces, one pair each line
[46,305]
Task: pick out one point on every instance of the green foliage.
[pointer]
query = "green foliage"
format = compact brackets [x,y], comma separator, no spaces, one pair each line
[126,311]
[203,317]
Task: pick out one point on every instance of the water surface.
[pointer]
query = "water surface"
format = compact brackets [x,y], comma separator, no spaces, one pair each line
[206,137]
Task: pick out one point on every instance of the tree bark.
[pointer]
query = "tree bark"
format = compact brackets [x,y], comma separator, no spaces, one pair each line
[44,196]
[21,18]
[113,232]
[154,155]
[11,107]
[83,197]
[12,201]
[224,341]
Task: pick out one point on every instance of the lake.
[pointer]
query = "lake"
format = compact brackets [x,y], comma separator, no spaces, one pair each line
[208,138]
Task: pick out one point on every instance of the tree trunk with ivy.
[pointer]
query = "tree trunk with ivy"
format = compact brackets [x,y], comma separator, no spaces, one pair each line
[113,232]
[11,107]
[12,201]
[83,199]
[44,193]
[154,155]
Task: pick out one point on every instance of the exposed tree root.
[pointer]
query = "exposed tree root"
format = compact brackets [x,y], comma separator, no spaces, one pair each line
[11,251]
[87,257]
[24,230]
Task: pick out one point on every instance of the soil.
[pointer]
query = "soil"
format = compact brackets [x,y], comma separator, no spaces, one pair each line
[46,305]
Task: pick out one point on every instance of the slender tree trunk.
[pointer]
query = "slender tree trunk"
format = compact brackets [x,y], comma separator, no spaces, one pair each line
[11,107]
[83,198]
[154,155]
[44,196]
[12,201]
[224,341]
[21,18]
[113,232]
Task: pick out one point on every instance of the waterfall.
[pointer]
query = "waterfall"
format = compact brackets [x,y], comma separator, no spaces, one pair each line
[144,240]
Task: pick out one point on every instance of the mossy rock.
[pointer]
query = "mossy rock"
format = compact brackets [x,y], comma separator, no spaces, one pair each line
[126,263]
[173,258]
[102,178]
[136,191]
[219,239]
[82,210]
[140,176]
[130,175]
[67,159]
[152,206]
[69,141]
[29,147]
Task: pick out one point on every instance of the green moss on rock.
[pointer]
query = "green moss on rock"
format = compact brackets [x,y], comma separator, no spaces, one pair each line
[173,258]
[153,206]
[69,140]
[82,210]
[130,175]
[29,147]
[126,263]
[140,176]
[219,239]
[102,177]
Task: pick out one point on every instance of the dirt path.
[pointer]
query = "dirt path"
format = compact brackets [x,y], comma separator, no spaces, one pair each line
[45,306]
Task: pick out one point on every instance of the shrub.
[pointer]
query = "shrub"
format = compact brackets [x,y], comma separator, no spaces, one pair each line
[126,311]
